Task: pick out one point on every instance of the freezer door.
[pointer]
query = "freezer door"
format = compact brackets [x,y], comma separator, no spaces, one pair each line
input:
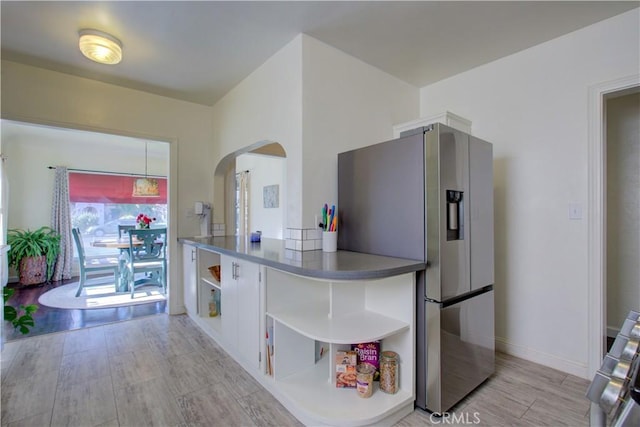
[481,212]
[447,184]
[460,345]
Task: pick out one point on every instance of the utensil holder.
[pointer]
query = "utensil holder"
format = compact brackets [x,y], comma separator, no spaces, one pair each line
[329,241]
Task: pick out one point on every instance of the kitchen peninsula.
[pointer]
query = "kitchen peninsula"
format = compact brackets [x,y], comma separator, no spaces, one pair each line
[283,315]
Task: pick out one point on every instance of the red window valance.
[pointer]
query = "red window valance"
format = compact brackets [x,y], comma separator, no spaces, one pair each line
[99,188]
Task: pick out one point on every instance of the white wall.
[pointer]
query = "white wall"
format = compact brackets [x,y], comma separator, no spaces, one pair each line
[263,171]
[316,101]
[265,106]
[346,104]
[533,107]
[623,208]
[39,96]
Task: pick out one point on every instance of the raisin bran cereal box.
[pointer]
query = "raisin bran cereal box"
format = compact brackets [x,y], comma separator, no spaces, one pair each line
[346,369]
[369,352]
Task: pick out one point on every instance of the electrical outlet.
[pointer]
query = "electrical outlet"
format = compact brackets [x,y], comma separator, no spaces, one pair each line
[575,210]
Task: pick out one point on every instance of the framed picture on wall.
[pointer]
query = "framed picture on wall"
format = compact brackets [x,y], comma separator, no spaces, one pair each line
[271,196]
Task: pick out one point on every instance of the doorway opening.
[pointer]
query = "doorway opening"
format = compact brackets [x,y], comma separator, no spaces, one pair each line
[622,139]
[597,218]
[30,149]
[250,190]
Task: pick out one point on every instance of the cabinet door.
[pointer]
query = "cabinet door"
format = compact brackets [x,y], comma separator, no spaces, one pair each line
[229,300]
[248,285]
[189,279]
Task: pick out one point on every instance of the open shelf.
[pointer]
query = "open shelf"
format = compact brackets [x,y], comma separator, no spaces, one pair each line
[212,322]
[337,315]
[207,259]
[211,282]
[354,327]
[313,394]
[206,284]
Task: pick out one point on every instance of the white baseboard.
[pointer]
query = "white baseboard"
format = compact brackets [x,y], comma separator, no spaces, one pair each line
[612,332]
[569,366]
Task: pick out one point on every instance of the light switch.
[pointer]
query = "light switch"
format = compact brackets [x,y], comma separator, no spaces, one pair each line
[575,210]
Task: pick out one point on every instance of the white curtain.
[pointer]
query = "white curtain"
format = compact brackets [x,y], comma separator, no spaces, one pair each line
[243,203]
[61,222]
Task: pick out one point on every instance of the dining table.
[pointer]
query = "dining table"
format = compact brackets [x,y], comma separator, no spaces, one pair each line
[123,259]
[121,244]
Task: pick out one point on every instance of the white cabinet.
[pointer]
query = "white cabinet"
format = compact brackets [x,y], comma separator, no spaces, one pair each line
[229,308]
[446,118]
[238,322]
[208,285]
[198,285]
[248,278]
[189,279]
[308,320]
[241,318]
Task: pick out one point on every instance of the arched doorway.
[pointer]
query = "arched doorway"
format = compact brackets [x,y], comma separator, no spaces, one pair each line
[250,190]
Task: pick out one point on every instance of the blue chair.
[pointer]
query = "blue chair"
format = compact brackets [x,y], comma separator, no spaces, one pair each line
[95,264]
[123,230]
[147,254]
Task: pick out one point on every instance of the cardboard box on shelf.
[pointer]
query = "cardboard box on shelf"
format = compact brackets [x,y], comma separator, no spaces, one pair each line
[369,352]
[346,361]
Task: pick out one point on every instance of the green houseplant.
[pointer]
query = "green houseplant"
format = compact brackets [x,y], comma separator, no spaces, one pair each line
[33,253]
[21,318]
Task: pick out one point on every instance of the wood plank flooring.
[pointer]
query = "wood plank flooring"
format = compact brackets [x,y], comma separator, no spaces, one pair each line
[163,371]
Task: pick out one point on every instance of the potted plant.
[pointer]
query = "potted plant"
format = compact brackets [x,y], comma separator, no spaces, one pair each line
[33,253]
[143,221]
[20,318]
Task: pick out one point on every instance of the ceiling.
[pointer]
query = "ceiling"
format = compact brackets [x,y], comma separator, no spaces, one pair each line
[198,51]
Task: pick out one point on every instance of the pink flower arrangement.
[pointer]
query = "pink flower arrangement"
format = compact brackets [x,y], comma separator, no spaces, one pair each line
[144,221]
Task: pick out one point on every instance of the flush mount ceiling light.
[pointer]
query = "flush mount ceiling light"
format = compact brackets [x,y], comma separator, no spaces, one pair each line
[100,47]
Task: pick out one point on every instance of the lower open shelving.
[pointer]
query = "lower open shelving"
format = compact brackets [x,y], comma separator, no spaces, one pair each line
[312,393]
[305,378]
[337,316]
[346,328]
[206,285]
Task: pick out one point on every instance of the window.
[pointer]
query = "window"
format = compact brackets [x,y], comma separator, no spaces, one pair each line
[242,203]
[100,202]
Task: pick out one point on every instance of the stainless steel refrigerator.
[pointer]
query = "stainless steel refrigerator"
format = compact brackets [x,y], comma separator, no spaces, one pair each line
[428,195]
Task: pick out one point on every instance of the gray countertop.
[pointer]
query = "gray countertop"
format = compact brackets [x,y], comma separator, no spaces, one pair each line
[340,265]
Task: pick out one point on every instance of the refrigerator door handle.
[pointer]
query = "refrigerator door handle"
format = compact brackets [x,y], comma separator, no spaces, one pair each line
[456,300]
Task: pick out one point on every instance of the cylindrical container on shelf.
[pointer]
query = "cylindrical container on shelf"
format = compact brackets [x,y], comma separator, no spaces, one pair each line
[329,241]
[217,300]
[364,379]
[213,307]
[389,372]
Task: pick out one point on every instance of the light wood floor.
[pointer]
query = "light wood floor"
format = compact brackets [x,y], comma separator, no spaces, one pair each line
[162,370]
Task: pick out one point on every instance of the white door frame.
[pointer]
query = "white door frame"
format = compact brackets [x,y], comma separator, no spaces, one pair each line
[597,219]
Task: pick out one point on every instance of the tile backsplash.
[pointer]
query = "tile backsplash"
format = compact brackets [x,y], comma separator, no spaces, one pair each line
[219,229]
[303,239]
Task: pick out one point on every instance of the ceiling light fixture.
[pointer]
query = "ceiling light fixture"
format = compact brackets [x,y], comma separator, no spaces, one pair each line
[100,47]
